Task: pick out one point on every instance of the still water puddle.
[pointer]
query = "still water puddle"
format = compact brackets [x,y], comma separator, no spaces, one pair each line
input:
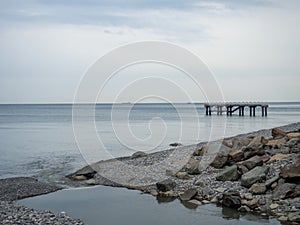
[118,206]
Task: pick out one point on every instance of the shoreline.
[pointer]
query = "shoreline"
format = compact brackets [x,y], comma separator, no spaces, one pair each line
[183,181]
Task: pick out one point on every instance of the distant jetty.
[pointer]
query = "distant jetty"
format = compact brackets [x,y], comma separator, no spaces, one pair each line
[230,108]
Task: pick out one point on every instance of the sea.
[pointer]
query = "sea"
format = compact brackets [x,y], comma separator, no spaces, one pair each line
[49,141]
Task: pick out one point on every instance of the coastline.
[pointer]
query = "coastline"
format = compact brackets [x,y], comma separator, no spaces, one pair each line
[190,186]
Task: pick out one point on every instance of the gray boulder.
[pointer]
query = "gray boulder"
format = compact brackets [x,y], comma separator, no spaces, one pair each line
[192,167]
[228,174]
[255,175]
[252,162]
[258,188]
[166,185]
[286,190]
[188,194]
[138,154]
[220,160]
[231,199]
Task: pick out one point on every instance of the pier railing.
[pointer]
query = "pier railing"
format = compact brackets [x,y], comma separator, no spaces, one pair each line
[232,107]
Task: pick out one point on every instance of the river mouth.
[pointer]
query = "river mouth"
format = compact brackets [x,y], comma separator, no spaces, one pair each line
[108,206]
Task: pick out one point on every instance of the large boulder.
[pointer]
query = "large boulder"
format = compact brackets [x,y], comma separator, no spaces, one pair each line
[255,175]
[165,185]
[231,199]
[277,133]
[220,159]
[188,194]
[192,167]
[258,188]
[228,174]
[255,147]
[252,162]
[286,190]
[236,155]
[238,142]
[292,172]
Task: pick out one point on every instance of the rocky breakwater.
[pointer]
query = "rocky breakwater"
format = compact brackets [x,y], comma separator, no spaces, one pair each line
[255,173]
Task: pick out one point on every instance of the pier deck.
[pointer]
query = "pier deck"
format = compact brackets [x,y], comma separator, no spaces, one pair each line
[230,108]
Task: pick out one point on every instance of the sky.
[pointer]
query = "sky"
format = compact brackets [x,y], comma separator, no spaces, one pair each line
[252,47]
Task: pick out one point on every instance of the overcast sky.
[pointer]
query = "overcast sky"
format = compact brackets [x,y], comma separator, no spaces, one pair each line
[251,46]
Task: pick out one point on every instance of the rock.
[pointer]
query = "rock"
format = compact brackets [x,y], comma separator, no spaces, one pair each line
[277,133]
[276,143]
[171,173]
[293,142]
[273,206]
[175,144]
[153,192]
[242,169]
[227,144]
[269,182]
[85,173]
[274,185]
[253,204]
[244,208]
[258,188]
[277,157]
[236,155]
[220,160]
[284,191]
[198,152]
[166,185]
[283,218]
[257,174]
[192,166]
[252,162]
[291,172]
[237,142]
[228,174]
[188,194]
[255,147]
[221,190]
[205,202]
[195,202]
[231,199]
[200,183]
[91,182]
[248,196]
[138,154]
[79,178]
[294,217]
[293,135]
[183,175]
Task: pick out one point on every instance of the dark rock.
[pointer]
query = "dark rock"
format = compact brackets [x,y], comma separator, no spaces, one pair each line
[220,160]
[255,147]
[236,155]
[284,191]
[255,175]
[231,199]
[188,194]
[238,142]
[227,144]
[294,217]
[85,173]
[269,182]
[292,172]
[199,152]
[242,169]
[252,162]
[192,167]
[138,154]
[258,188]
[228,174]
[277,133]
[175,144]
[166,185]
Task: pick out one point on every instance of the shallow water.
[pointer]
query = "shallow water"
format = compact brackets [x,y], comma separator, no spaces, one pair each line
[119,206]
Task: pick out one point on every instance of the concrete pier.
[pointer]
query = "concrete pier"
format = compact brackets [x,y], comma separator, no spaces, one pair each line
[230,108]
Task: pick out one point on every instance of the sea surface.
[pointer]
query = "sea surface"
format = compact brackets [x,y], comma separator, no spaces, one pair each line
[46,142]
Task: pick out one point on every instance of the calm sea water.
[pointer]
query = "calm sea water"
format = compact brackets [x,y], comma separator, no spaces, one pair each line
[38,140]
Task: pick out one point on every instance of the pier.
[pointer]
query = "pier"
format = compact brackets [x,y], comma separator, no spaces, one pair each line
[230,108]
